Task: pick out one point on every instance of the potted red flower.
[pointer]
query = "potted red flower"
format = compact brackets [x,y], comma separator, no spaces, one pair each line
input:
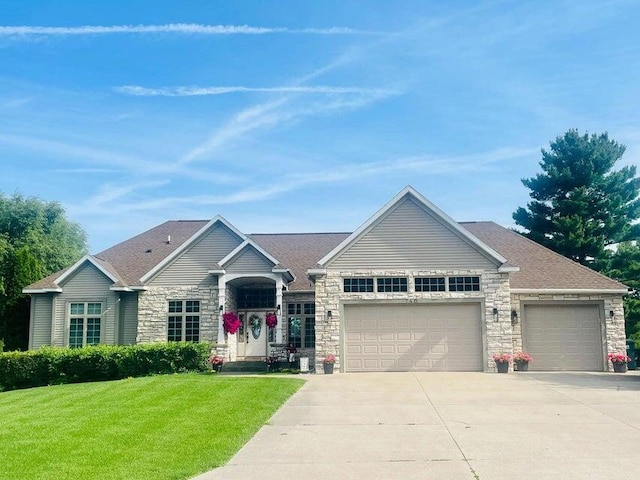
[502,361]
[619,361]
[328,362]
[216,362]
[521,360]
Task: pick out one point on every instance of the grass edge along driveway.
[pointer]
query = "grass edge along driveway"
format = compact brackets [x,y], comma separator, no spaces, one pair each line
[161,427]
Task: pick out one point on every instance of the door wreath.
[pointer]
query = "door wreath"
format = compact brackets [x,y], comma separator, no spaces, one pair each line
[255,322]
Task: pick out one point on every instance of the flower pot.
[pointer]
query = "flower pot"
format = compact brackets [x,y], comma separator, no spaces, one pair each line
[619,367]
[522,366]
[328,368]
[503,367]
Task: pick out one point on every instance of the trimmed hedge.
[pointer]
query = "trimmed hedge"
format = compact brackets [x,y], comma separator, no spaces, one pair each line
[50,365]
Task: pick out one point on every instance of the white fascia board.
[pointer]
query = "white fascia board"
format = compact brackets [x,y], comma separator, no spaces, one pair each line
[78,264]
[220,271]
[139,288]
[42,290]
[569,291]
[121,289]
[508,269]
[317,271]
[409,190]
[247,243]
[182,248]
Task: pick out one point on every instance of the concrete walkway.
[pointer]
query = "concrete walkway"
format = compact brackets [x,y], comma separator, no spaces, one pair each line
[449,426]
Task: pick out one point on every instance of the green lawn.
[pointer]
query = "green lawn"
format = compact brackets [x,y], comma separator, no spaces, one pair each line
[163,427]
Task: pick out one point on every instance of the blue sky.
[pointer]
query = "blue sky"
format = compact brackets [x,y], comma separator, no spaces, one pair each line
[294,116]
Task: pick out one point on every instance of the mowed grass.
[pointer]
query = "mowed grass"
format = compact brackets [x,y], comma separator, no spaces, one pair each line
[162,427]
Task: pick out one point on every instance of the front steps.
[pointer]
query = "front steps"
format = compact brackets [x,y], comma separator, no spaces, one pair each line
[244,367]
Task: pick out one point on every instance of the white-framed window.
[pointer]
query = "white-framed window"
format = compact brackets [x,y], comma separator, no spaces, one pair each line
[183,321]
[430,284]
[392,284]
[352,285]
[464,284]
[301,324]
[85,323]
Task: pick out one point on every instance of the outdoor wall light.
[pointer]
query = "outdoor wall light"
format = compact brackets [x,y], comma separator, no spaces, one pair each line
[495,314]
[329,314]
[278,308]
[611,314]
[221,308]
[514,317]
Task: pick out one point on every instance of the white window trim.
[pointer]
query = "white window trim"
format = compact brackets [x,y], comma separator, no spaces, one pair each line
[413,289]
[69,316]
[183,315]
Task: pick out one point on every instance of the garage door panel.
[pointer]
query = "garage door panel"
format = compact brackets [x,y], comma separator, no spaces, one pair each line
[438,337]
[563,337]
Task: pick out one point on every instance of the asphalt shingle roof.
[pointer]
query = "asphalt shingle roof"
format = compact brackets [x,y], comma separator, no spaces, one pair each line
[540,268]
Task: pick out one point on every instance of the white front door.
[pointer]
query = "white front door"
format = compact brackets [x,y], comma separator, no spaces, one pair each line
[255,334]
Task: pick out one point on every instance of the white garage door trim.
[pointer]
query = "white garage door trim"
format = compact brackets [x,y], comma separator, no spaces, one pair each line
[577,342]
[390,342]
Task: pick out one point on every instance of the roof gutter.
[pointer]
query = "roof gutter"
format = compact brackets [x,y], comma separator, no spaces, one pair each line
[570,291]
[42,290]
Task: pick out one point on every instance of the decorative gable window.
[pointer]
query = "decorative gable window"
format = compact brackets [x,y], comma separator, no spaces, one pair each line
[464,284]
[430,284]
[354,285]
[84,323]
[301,324]
[392,284]
[184,321]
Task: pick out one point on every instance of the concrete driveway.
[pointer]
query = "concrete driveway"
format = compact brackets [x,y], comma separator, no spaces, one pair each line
[450,426]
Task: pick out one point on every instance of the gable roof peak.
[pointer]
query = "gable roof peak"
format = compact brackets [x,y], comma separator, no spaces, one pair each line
[191,241]
[407,192]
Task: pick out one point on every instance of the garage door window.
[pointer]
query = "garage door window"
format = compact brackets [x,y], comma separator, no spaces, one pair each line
[464,284]
[392,284]
[430,284]
[352,285]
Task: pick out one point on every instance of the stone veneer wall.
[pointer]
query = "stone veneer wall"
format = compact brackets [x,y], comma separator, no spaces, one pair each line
[615,336]
[494,290]
[153,310]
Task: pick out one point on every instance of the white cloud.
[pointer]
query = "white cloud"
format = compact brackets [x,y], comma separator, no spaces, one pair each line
[272,114]
[181,28]
[421,165]
[192,91]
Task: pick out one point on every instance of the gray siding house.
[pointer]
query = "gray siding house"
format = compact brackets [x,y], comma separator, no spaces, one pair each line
[410,290]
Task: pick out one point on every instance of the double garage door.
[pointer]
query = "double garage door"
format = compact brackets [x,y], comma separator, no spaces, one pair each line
[448,337]
[393,337]
[563,337]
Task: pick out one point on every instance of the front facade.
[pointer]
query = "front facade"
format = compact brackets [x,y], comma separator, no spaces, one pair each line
[410,290]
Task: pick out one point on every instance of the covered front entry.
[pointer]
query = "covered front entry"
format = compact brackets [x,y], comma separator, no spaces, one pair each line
[400,337]
[563,336]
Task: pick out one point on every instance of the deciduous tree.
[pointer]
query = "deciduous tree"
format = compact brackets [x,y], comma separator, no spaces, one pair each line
[36,239]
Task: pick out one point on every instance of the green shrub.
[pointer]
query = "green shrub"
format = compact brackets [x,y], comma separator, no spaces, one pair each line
[50,365]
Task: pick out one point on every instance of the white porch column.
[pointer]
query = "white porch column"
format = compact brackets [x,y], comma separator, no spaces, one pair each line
[222,294]
[279,312]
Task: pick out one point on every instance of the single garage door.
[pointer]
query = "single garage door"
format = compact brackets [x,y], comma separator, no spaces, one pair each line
[441,337]
[563,337]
